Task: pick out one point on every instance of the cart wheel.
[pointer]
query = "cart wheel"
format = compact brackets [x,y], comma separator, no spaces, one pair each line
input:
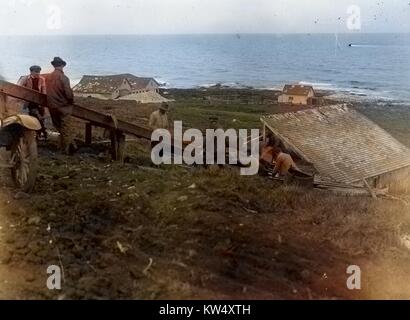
[24,155]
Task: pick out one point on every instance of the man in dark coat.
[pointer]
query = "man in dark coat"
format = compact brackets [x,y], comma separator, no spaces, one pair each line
[60,99]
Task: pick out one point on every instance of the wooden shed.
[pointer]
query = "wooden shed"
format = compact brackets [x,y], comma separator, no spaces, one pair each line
[343,146]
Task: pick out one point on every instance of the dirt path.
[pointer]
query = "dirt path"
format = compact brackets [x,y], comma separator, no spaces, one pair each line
[18,279]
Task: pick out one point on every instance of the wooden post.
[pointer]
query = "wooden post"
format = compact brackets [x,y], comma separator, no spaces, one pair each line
[114,145]
[264,132]
[3,106]
[88,133]
[117,145]
[121,146]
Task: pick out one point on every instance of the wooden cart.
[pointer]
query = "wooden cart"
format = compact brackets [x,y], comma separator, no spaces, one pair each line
[18,132]
[18,136]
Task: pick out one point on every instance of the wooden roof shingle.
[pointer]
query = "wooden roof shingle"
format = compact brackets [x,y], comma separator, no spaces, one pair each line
[108,84]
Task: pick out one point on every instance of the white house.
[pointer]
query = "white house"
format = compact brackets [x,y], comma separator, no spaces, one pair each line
[115,86]
[297,95]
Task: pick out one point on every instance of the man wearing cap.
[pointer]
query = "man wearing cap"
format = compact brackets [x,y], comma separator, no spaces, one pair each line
[60,100]
[35,82]
[159,118]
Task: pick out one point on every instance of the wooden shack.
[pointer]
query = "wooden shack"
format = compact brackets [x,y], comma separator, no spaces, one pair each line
[343,146]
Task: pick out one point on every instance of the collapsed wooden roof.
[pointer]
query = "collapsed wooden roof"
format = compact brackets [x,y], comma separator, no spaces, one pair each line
[342,144]
[108,84]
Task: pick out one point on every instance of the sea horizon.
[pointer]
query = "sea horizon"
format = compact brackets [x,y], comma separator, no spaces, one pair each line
[368,65]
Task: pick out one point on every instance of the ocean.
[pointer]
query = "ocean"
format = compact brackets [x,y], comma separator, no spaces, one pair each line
[374,66]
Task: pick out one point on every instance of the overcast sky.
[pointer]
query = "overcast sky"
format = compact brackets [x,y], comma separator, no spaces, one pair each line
[202,16]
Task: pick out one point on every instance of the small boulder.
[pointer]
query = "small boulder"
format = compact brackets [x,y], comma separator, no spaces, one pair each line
[34,221]
[183,198]
[21,195]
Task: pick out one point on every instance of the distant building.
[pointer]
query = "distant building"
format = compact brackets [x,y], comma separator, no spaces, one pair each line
[297,95]
[115,86]
[343,146]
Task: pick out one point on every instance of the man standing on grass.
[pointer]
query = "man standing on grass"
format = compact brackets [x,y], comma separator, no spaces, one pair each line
[35,81]
[60,98]
[159,118]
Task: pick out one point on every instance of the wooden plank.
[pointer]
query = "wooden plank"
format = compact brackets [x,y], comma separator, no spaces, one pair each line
[22,93]
[106,121]
[3,106]
[369,189]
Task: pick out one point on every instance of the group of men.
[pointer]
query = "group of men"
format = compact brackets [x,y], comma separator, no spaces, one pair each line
[60,100]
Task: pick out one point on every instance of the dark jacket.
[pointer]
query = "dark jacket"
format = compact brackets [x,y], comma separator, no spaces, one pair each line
[60,96]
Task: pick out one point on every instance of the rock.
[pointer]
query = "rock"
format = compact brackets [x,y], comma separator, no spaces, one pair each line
[192,253]
[21,195]
[183,198]
[107,259]
[135,273]
[75,272]
[30,277]
[87,283]
[42,253]
[21,244]
[10,240]
[305,274]
[193,186]
[34,247]
[33,259]
[6,258]
[34,221]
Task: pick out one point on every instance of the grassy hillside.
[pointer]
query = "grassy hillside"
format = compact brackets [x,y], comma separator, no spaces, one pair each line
[145,232]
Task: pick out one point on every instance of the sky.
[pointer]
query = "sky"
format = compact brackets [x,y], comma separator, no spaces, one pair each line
[54,17]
